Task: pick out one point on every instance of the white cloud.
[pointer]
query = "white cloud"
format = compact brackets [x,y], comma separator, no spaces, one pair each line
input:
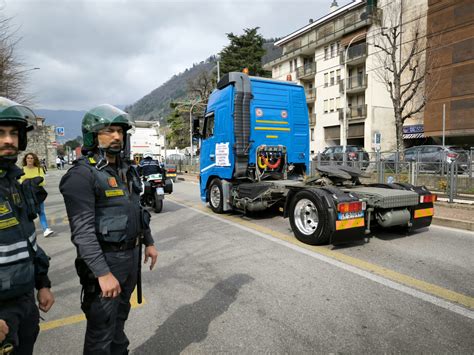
[117,51]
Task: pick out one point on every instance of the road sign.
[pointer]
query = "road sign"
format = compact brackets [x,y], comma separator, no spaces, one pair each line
[60,131]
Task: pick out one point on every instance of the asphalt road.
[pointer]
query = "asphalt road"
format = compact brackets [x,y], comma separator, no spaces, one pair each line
[230,283]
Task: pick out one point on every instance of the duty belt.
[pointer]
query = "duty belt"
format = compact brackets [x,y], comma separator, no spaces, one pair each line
[126,245]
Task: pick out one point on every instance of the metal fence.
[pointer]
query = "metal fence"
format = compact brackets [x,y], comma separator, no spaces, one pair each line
[450,177]
[185,165]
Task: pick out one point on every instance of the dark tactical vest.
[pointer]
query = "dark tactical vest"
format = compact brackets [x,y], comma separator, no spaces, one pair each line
[17,238]
[117,203]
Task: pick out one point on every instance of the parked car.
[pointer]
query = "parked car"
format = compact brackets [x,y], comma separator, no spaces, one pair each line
[355,153]
[432,157]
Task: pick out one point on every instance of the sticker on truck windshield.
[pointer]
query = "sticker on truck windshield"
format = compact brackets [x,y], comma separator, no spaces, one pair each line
[222,154]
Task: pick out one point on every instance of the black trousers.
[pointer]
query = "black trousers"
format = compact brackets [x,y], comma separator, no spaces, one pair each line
[106,316]
[22,317]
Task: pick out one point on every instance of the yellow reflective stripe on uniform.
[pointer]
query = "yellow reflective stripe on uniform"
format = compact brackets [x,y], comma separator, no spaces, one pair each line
[350,223]
[92,160]
[9,222]
[426,212]
[112,193]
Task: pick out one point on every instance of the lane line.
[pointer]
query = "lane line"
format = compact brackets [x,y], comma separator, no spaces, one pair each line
[440,296]
[77,318]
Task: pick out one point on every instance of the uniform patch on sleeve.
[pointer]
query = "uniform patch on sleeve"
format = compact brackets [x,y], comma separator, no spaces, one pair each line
[112,182]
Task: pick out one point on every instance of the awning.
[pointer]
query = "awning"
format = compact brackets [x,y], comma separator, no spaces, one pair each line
[362,33]
[413,135]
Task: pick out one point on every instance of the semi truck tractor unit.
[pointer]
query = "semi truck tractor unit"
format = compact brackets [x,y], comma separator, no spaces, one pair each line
[255,155]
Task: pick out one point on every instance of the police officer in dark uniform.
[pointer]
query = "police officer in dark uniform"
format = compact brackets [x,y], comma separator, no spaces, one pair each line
[101,193]
[23,264]
[149,166]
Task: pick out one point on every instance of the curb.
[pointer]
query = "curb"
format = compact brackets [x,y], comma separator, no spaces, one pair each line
[453,223]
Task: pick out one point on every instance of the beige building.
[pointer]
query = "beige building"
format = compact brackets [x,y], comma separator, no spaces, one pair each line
[315,57]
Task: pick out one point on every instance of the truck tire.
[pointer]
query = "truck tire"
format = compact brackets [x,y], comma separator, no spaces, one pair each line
[215,196]
[309,218]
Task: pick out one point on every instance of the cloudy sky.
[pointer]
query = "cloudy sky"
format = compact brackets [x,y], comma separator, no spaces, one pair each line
[116,51]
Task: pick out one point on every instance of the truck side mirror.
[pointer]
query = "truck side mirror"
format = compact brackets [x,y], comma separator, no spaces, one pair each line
[196,132]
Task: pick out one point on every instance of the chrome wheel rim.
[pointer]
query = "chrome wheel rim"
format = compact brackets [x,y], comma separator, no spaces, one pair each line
[306,216]
[215,196]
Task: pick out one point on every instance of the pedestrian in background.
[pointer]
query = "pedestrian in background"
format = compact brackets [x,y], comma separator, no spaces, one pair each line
[32,169]
[43,165]
[58,163]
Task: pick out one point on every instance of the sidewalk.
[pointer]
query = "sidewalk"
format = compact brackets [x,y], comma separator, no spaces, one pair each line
[458,215]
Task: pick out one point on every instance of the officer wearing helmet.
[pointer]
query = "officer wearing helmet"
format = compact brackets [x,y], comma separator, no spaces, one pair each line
[149,166]
[23,264]
[101,193]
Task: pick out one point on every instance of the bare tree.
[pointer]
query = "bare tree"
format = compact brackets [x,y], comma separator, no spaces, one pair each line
[12,78]
[401,64]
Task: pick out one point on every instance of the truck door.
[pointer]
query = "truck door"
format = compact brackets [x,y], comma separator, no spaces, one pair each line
[208,159]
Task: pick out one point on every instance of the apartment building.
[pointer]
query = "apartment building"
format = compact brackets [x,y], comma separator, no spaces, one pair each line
[342,88]
[451,38]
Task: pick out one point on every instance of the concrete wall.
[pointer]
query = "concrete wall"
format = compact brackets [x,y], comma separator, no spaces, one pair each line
[40,142]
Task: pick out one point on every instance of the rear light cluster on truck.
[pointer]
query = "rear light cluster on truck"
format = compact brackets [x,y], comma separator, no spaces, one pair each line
[356,206]
[428,198]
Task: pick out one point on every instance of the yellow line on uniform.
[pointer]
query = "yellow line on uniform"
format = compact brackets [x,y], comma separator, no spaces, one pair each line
[403,279]
[81,317]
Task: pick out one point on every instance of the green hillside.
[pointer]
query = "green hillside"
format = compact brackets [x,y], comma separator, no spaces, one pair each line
[156,105]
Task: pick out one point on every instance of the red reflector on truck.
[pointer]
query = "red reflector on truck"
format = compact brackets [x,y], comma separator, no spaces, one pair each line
[428,198]
[345,207]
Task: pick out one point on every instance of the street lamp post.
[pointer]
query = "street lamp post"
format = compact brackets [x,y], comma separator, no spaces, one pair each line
[345,126]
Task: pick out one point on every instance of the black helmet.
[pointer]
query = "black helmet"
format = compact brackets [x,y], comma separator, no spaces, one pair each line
[101,117]
[14,114]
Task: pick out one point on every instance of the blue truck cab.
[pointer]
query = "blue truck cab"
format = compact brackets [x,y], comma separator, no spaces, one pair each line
[255,130]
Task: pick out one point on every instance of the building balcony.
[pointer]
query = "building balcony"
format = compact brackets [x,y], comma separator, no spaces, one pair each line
[354,112]
[306,72]
[355,55]
[310,95]
[307,42]
[312,119]
[354,84]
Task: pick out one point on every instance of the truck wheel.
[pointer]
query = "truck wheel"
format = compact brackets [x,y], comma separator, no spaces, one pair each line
[158,206]
[215,196]
[309,218]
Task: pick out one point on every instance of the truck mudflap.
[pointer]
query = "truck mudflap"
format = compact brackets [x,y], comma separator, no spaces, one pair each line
[349,225]
[325,215]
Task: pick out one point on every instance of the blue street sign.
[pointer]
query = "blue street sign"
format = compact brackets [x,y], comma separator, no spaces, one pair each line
[60,131]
